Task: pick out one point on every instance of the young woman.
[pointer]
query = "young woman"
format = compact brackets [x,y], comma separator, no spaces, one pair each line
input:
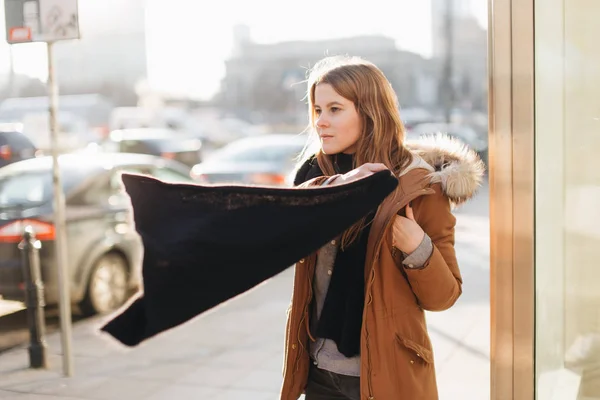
[356,325]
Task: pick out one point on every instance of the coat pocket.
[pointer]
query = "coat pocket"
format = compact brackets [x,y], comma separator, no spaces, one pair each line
[417,350]
[414,374]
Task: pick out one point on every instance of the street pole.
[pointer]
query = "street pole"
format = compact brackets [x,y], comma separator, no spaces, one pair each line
[59,223]
[11,74]
[448,85]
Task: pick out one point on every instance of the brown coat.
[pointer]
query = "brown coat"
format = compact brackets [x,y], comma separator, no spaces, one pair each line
[396,353]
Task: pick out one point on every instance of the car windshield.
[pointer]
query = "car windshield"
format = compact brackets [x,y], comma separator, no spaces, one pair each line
[31,188]
[278,152]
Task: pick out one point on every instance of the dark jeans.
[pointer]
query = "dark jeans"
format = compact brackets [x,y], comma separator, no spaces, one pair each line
[325,385]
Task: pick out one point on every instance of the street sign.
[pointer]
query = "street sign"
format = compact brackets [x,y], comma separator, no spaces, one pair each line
[41,20]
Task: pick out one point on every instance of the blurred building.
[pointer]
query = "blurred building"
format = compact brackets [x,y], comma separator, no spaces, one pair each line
[468,50]
[16,85]
[268,79]
[93,108]
[110,57]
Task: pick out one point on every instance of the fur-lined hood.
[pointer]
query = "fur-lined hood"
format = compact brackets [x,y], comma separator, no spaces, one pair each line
[452,163]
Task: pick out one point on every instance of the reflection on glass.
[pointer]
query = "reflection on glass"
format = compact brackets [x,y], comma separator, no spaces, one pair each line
[567,200]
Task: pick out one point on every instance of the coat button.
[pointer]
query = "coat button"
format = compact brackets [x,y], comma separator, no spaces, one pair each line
[301,261]
[329,272]
[333,242]
[294,346]
[412,362]
[418,355]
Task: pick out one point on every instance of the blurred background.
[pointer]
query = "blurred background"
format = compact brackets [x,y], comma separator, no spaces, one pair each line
[190,92]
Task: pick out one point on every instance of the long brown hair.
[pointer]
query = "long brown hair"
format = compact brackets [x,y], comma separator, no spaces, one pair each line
[382,137]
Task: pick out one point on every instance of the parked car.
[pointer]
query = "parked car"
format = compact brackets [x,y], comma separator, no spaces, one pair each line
[260,160]
[15,146]
[103,249]
[166,143]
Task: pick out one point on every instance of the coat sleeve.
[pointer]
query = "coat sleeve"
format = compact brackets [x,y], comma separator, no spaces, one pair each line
[438,284]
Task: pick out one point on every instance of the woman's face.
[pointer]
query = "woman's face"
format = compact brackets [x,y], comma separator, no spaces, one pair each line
[338,123]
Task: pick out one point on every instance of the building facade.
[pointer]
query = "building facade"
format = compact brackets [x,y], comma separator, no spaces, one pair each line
[269,79]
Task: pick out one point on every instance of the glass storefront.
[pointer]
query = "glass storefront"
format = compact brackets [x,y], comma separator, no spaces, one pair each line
[567,199]
[544,67]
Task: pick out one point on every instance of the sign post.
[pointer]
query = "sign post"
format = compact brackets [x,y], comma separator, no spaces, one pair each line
[50,21]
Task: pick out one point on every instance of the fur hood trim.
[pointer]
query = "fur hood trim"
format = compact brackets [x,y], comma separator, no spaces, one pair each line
[451,163]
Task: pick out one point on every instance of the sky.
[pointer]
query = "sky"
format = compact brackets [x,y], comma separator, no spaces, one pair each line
[187,44]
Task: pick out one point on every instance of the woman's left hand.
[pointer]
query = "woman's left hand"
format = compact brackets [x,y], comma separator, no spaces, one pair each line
[408,235]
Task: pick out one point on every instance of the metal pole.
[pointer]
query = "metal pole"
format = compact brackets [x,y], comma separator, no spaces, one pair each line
[11,75]
[34,290]
[449,61]
[59,224]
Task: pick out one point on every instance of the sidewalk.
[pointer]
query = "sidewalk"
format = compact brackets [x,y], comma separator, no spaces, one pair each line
[235,351]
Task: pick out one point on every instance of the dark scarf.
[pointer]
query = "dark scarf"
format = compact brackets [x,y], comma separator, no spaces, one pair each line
[204,245]
[341,317]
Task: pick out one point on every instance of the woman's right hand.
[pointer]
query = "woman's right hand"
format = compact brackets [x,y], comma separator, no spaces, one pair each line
[358,173]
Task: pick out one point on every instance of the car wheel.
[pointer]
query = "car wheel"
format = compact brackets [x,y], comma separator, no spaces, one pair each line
[107,285]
